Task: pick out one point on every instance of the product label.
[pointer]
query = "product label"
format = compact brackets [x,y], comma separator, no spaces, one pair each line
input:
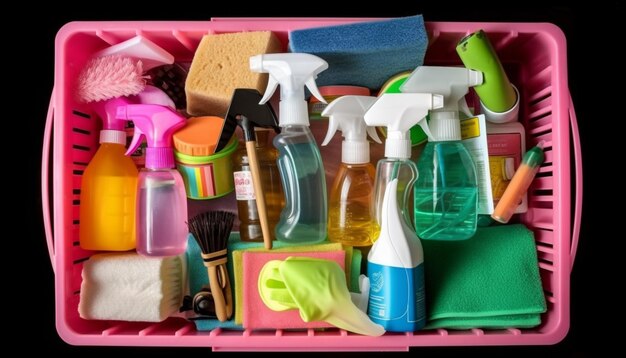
[506,144]
[397,297]
[503,148]
[470,128]
[316,109]
[244,187]
[474,136]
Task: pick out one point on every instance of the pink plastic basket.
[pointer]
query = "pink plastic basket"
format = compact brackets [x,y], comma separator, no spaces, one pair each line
[535,57]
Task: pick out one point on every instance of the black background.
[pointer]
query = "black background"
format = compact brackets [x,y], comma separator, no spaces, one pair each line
[594,79]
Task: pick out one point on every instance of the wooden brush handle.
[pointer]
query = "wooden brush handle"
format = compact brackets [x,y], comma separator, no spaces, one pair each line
[220,283]
[218,294]
[228,294]
[258,190]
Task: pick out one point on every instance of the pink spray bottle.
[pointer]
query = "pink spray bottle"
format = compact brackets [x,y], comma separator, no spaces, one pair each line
[161,202]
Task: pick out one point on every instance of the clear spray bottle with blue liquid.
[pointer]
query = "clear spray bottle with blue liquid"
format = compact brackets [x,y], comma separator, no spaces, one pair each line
[304,218]
[446,192]
[395,264]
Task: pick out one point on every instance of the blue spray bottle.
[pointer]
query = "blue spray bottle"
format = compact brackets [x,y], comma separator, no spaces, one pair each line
[395,267]
[304,218]
[446,192]
[395,263]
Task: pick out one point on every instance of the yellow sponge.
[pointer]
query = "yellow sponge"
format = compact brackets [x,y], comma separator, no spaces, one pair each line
[221,64]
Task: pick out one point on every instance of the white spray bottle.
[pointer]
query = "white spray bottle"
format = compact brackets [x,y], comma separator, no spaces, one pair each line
[395,267]
[349,209]
[398,112]
[446,192]
[305,215]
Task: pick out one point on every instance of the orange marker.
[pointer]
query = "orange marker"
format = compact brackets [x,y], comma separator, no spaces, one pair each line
[519,184]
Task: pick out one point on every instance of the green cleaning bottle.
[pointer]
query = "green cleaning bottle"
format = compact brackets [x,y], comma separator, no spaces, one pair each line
[446,192]
[398,112]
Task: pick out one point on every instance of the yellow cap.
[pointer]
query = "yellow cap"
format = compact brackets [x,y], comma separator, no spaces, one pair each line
[199,136]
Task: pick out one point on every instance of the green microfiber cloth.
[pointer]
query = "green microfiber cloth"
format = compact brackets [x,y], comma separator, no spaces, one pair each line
[489,281]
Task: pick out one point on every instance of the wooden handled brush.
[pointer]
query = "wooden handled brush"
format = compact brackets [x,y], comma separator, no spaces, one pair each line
[246,112]
[259,195]
[211,230]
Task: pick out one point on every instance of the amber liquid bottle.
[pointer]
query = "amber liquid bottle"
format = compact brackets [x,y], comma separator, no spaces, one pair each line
[250,226]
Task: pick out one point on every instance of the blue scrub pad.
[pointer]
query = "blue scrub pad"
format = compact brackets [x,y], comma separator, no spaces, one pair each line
[366,53]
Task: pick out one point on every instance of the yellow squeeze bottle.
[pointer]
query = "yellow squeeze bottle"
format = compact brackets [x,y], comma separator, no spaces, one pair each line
[350,219]
[109,187]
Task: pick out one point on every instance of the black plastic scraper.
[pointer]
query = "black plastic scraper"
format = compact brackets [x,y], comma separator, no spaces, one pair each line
[245,105]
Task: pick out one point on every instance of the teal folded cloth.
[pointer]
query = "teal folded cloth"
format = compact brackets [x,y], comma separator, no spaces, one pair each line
[198,277]
[489,281]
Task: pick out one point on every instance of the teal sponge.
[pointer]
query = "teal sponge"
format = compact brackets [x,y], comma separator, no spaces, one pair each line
[366,53]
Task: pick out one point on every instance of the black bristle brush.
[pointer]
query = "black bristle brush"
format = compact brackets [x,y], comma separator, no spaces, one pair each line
[211,230]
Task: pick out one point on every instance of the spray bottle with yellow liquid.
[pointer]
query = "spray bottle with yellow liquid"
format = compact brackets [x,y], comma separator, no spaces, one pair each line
[109,187]
[350,220]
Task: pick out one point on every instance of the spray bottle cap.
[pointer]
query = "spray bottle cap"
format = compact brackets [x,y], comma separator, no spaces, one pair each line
[292,71]
[399,112]
[451,82]
[157,124]
[112,127]
[346,114]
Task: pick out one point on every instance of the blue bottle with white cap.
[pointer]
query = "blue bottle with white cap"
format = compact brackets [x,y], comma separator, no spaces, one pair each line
[395,264]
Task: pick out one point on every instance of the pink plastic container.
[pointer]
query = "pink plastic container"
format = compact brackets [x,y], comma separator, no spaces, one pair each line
[535,58]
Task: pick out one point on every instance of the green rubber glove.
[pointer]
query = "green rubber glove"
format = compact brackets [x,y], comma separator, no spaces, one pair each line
[318,289]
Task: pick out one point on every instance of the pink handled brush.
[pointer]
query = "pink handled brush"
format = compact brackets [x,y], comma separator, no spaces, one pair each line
[109,77]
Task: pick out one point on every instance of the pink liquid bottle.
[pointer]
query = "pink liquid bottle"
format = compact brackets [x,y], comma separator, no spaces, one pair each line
[161,213]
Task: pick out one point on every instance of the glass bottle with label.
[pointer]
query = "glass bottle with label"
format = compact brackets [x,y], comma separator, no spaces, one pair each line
[250,225]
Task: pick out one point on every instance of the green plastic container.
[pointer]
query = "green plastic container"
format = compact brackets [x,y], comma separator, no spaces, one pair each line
[208,177]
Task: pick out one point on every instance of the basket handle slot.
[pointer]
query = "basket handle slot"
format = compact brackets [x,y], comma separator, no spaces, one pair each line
[578,177]
[45,180]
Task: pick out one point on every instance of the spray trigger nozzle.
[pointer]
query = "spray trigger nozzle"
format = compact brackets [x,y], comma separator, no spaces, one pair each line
[373,133]
[157,124]
[138,137]
[272,84]
[310,84]
[293,71]
[453,83]
[464,108]
[346,114]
